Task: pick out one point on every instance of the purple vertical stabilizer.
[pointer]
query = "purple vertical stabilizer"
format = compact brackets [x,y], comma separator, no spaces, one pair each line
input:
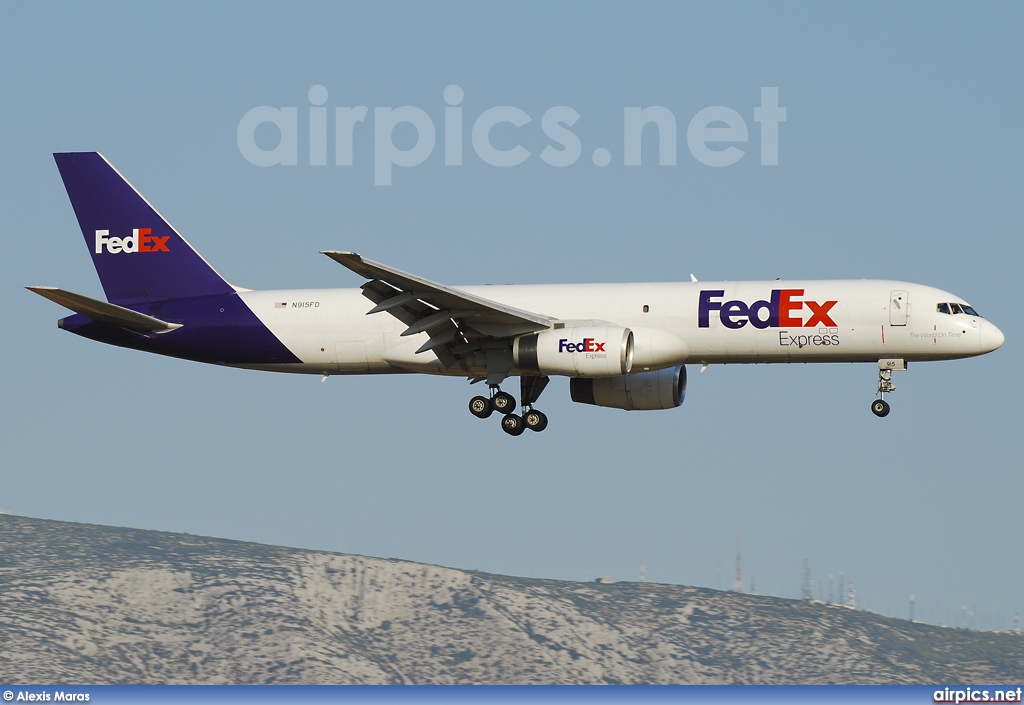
[138,256]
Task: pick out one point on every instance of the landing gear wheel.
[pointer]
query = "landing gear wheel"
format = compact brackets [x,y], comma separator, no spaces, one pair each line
[481,407]
[504,403]
[513,425]
[880,408]
[535,420]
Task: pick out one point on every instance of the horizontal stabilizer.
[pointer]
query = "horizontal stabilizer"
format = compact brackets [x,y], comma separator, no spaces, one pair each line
[104,312]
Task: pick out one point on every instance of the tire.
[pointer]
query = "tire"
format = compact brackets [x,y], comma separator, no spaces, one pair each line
[513,425]
[481,407]
[504,403]
[535,420]
[880,408]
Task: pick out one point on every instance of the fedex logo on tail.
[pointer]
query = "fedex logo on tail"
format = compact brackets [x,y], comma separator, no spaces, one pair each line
[139,241]
[782,310]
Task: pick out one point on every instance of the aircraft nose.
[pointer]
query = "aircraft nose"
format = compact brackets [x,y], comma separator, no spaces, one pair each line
[991,337]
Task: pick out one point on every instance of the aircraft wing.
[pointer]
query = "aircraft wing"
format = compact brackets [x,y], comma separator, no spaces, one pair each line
[457,322]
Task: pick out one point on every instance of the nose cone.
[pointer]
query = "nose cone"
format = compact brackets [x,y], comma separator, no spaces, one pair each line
[991,337]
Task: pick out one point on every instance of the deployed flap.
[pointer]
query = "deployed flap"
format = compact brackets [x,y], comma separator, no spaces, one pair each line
[103,312]
[457,321]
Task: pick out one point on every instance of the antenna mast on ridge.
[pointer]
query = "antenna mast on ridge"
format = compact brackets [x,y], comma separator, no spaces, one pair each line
[737,586]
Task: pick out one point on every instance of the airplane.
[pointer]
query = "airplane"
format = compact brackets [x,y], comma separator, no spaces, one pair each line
[623,346]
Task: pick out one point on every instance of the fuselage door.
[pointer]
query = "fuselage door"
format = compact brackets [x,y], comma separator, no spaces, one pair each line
[351,356]
[899,308]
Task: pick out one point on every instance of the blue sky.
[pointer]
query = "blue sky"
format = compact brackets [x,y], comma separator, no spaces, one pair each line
[899,158]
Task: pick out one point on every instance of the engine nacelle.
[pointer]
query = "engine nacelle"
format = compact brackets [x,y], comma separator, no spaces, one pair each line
[643,391]
[591,351]
[654,349]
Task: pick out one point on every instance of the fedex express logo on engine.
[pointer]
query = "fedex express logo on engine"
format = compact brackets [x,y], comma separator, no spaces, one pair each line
[139,241]
[782,310]
[588,345]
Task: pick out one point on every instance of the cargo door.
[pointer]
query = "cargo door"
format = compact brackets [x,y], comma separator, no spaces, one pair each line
[351,356]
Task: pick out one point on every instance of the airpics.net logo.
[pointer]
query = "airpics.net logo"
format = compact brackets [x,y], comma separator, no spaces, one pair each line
[714,135]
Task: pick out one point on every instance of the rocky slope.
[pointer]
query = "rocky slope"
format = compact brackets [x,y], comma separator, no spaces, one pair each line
[94,604]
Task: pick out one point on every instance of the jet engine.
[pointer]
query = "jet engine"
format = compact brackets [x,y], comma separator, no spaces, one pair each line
[643,391]
[585,351]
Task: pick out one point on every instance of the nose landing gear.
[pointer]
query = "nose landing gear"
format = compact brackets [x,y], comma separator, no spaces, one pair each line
[505,404]
[880,407]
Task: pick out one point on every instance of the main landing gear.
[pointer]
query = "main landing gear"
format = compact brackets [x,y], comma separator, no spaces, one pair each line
[505,404]
[880,407]
[502,402]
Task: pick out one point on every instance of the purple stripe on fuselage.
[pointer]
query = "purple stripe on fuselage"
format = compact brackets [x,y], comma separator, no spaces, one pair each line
[216,329]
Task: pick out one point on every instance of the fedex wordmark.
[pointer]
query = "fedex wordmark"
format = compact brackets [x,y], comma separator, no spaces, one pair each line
[781,310]
[139,241]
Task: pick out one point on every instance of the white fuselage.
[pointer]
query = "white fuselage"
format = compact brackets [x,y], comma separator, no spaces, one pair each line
[674,323]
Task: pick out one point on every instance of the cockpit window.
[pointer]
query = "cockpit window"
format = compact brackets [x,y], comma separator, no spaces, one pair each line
[956,308]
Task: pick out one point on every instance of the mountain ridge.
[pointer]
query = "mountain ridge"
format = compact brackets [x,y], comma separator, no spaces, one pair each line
[93,604]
